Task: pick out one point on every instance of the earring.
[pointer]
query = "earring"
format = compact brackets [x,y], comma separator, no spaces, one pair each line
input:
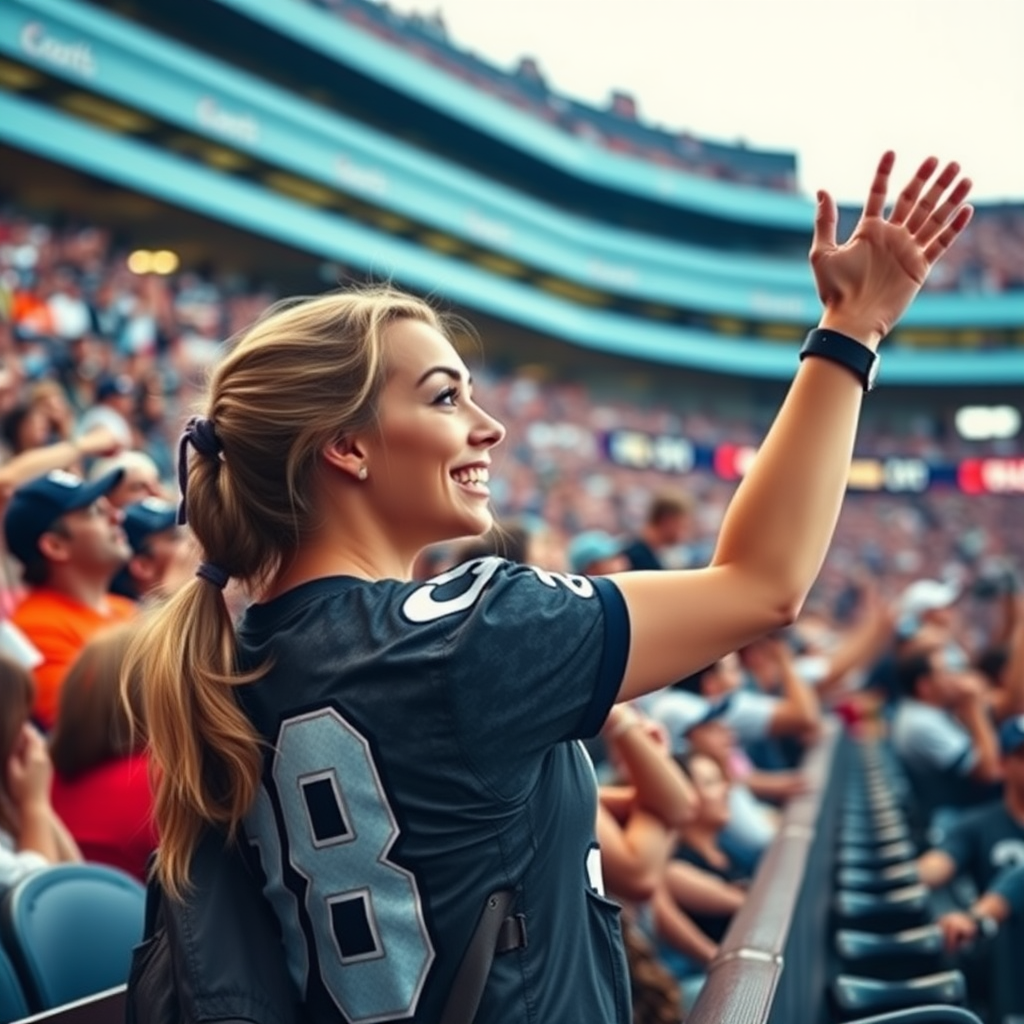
[363,472]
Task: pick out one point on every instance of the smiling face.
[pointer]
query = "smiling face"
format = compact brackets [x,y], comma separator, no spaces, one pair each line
[428,461]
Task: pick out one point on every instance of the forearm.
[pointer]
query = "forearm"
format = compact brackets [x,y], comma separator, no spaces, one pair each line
[991,904]
[37,461]
[987,764]
[780,522]
[661,786]
[773,785]
[801,698]
[35,831]
[679,931]
[67,848]
[700,891]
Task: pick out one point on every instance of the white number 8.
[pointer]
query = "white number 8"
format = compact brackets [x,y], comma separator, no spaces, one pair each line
[372,944]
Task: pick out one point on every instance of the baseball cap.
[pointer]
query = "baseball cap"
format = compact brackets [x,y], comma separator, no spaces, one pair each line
[1011,735]
[681,712]
[121,384]
[926,596]
[37,505]
[590,547]
[149,516]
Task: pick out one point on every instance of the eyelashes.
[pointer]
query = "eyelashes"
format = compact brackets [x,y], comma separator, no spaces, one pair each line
[447,397]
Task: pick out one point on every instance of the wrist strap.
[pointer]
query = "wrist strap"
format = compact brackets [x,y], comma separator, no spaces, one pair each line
[860,360]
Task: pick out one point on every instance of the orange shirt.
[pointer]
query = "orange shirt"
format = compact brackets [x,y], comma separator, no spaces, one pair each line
[60,627]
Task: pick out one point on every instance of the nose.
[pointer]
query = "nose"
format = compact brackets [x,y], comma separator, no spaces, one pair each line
[488,431]
[111,511]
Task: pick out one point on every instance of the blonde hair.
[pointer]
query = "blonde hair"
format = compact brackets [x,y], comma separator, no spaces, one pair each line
[17,693]
[98,720]
[308,373]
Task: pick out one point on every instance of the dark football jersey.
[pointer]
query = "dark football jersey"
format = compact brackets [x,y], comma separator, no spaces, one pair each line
[421,754]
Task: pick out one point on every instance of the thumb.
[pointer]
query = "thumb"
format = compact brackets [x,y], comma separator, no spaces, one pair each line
[824,223]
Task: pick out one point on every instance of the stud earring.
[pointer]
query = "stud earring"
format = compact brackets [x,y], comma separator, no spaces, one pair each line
[363,472]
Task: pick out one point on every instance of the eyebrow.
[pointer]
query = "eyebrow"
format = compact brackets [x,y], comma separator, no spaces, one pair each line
[448,371]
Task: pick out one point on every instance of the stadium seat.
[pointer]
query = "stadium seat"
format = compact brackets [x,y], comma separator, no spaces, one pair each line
[924,1015]
[856,996]
[12,999]
[886,911]
[854,835]
[881,880]
[878,856]
[70,930]
[903,954]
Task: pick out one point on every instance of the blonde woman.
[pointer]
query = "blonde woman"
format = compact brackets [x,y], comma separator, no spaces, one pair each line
[396,750]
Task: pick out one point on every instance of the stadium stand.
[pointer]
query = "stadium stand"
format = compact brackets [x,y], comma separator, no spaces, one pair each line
[169,169]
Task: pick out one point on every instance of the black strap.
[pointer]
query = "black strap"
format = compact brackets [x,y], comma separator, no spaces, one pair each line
[496,932]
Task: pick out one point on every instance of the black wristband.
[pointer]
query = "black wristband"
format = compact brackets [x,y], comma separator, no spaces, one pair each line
[861,361]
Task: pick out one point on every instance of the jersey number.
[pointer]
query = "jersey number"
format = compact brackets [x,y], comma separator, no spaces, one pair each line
[372,945]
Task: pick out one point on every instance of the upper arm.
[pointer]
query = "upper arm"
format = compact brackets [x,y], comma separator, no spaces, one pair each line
[681,621]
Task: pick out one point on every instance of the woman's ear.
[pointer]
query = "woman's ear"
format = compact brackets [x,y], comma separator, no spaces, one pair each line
[348,455]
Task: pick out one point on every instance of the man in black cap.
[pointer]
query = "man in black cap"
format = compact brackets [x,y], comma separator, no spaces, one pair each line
[69,539]
[155,539]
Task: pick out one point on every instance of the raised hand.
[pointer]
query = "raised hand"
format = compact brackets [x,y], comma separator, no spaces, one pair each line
[867,282]
[29,770]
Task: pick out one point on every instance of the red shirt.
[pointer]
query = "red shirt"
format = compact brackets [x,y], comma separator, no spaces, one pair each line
[109,811]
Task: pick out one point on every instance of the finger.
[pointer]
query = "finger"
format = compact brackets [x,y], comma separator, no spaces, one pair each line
[908,197]
[825,217]
[949,234]
[940,217]
[880,185]
[927,203]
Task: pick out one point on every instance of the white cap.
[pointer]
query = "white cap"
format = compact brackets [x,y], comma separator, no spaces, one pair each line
[926,596]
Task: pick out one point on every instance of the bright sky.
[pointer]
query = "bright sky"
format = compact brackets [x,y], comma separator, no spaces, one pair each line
[837,81]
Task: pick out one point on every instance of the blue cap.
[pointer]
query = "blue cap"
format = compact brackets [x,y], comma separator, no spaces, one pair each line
[681,712]
[37,505]
[121,384]
[1011,735]
[142,520]
[590,547]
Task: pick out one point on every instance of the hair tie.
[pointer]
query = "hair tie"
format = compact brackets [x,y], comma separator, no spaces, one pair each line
[202,435]
[213,574]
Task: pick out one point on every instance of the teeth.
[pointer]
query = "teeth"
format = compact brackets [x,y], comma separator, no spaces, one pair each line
[472,475]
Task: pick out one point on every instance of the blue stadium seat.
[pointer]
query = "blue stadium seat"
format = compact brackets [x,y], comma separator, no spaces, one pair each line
[854,995]
[12,999]
[924,1015]
[70,930]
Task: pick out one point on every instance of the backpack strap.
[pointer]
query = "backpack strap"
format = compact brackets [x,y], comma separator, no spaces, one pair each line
[496,932]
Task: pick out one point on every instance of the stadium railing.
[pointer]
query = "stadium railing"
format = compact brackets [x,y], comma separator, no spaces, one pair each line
[785,916]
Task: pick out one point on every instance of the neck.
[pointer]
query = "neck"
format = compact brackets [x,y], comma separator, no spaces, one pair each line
[1014,797]
[86,591]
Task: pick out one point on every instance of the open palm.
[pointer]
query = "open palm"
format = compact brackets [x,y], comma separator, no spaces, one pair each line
[876,273]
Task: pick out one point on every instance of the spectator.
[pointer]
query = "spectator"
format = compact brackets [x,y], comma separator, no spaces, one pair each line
[32,836]
[156,541]
[989,839]
[669,521]
[101,783]
[69,539]
[596,553]
[114,405]
[1002,900]
[942,733]
[140,478]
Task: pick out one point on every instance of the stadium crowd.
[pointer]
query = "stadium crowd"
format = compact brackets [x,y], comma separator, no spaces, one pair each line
[918,620]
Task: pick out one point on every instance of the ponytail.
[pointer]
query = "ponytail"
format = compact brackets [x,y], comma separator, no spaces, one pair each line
[204,753]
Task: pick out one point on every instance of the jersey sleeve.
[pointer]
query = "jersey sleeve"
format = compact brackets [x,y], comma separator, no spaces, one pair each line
[1010,885]
[533,657]
[958,841]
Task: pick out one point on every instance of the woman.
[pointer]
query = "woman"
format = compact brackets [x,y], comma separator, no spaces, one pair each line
[398,749]
[32,836]
[101,786]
